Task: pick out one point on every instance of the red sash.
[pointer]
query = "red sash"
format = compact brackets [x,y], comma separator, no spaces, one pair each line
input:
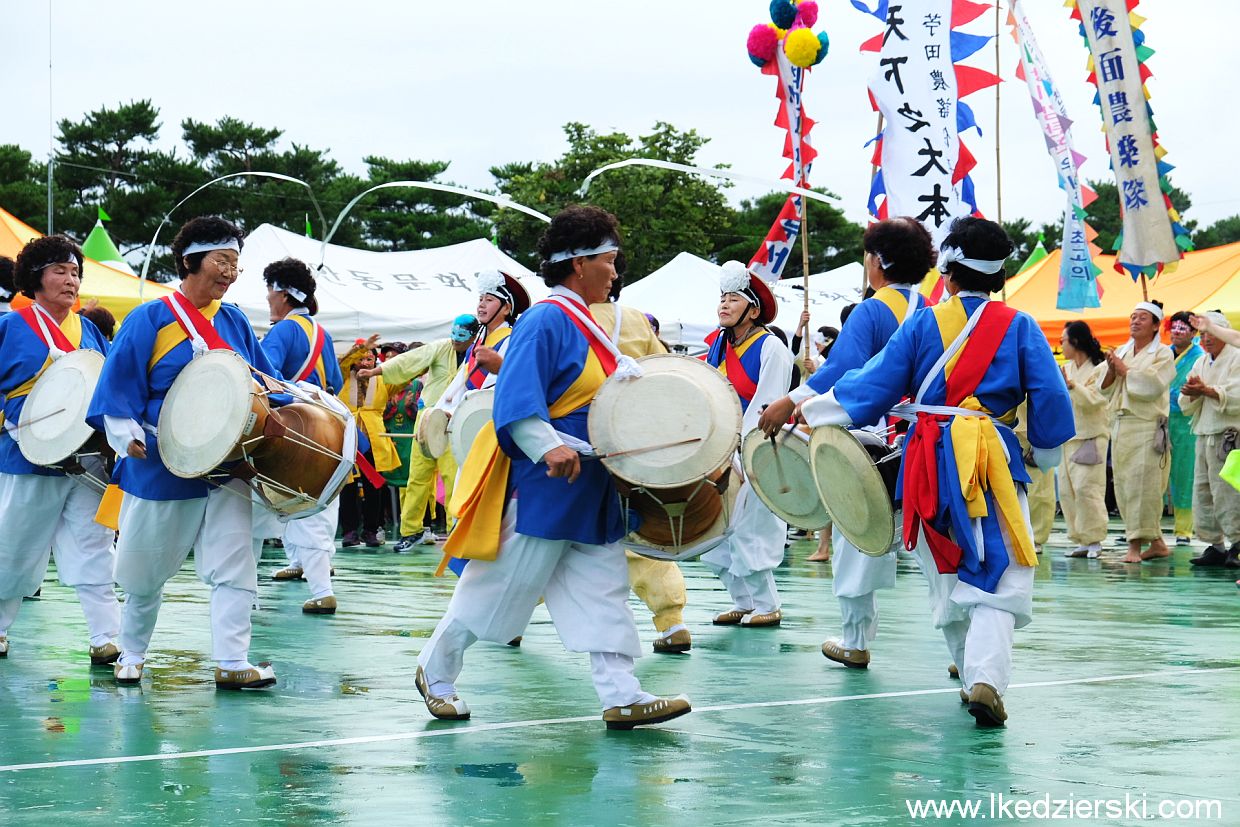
[921,476]
[316,352]
[746,387]
[200,326]
[59,339]
[475,375]
[604,354]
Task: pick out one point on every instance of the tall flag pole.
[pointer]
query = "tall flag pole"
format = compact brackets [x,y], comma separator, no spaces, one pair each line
[1152,239]
[1078,285]
[919,89]
[786,48]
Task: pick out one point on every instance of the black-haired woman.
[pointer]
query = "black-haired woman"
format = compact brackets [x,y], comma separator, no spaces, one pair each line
[1083,474]
[162,516]
[968,363]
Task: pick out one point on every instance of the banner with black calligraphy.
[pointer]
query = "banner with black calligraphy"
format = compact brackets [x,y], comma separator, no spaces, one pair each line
[1152,236]
[1078,285]
[918,86]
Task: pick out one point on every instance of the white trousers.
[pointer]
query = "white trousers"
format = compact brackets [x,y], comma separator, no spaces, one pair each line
[310,543]
[747,560]
[855,578]
[45,517]
[155,538]
[978,625]
[586,589]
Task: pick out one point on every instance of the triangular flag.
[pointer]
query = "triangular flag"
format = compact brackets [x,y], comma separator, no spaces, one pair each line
[103,216]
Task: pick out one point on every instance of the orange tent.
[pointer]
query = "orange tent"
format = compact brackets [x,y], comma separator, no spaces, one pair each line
[115,289]
[1204,280]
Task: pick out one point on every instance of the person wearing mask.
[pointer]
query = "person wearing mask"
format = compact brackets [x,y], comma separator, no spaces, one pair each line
[1179,424]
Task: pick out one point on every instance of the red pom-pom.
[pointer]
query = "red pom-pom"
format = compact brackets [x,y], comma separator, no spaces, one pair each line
[807,12]
[762,43]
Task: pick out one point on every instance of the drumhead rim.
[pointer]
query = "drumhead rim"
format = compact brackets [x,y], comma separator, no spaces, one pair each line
[53,451]
[867,476]
[228,437]
[755,440]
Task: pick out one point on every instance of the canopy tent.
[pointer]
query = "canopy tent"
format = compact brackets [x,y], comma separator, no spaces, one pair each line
[402,296]
[684,294]
[116,290]
[1205,280]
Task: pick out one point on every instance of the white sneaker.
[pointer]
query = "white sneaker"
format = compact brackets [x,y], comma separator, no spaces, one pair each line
[4,647]
[1094,551]
[428,538]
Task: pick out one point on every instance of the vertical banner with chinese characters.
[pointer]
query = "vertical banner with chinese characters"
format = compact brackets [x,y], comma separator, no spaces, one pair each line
[1078,286]
[918,89]
[1152,236]
[787,48]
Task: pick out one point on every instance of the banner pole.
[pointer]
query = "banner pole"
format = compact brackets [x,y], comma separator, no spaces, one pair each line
[998,141]
[878,130]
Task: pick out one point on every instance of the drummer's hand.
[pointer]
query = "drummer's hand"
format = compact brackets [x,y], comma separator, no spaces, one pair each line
[563,461]
[136,450]
[775,415]
[798,416]
[366,373]
[488,358]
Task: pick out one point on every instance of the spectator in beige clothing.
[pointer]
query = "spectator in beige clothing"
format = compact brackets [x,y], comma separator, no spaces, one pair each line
[1083,474]
[1212,396]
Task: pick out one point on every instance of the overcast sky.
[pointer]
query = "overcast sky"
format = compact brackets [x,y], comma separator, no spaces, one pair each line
[485,82]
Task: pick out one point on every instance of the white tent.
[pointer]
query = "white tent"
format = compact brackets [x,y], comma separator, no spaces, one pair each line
[402,296]
[684,293]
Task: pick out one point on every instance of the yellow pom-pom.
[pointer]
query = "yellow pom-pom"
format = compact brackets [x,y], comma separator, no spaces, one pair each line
[779,33]
[801,47]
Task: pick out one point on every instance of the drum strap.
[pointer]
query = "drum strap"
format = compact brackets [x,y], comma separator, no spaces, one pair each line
[60,339]
[194,324]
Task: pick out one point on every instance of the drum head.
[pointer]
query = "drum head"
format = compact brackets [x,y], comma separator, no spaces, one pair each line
[207,411]
[770,469]
[433,433]
[678,398]
[53,425]
[853,490]
[471,415]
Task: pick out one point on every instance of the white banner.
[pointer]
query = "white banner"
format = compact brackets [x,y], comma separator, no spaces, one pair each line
[403,296]
[1148,236]
[1078,288]
[915,88]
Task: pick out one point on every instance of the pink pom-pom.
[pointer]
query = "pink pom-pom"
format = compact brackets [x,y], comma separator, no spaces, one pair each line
[807,12]
[762,43]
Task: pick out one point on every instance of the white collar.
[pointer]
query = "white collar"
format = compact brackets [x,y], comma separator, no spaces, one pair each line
[561,290]
[1130,347]
[299,311]
[972,294]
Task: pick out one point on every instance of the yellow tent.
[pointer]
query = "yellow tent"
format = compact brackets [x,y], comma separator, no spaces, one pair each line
[1205,280]
[115,290]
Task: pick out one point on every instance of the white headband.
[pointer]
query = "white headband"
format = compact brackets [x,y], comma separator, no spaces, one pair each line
[1218,318]
[1153,309]
[5,295]
[607,246]
[292,291]
[207,246]
[954,254]
[70,258]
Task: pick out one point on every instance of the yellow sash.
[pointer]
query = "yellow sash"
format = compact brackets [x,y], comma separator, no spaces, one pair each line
[896,301]
[741,348]
[981,462]
[72,328]
[307,326]
[481,490]
[172,334]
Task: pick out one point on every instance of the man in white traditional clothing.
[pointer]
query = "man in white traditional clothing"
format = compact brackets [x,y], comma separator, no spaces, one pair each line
[1211,395]
[1137,386]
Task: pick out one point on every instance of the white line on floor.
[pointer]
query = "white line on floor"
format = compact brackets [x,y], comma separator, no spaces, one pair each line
[470,729]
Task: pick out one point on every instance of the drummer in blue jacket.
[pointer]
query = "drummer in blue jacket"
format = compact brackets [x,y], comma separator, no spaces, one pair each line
[163,516]
[43,511]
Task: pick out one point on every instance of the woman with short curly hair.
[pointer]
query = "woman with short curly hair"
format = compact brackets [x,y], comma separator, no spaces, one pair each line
[41,508]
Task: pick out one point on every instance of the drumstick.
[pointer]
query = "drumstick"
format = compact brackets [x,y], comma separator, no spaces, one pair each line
[646,448]
[784,488]
[400,436]
[40,418]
